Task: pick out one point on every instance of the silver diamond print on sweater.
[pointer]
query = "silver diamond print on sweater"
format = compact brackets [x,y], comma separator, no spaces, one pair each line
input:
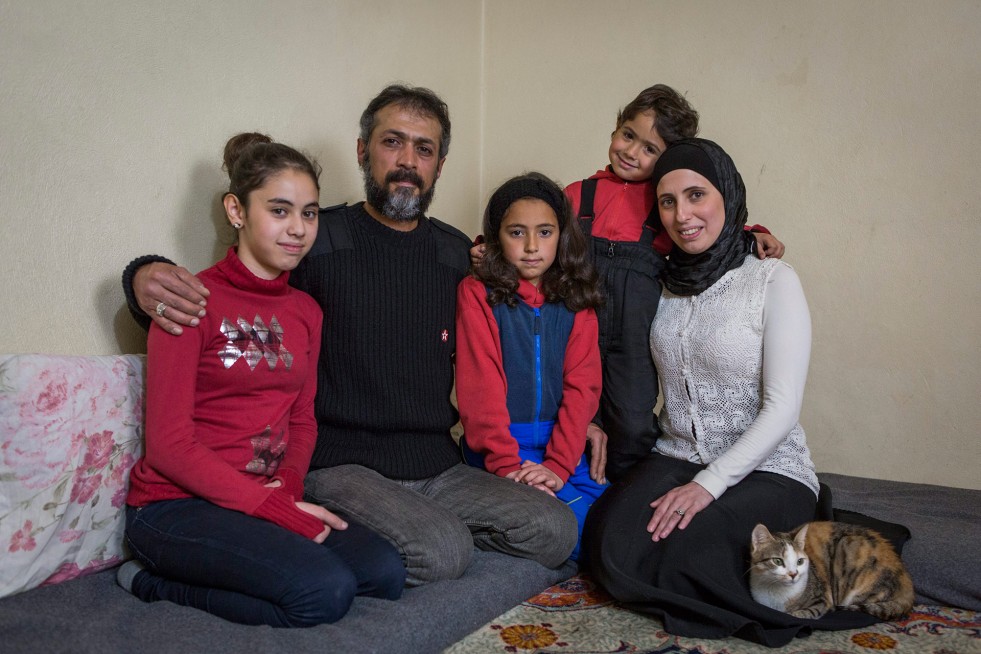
[253,343]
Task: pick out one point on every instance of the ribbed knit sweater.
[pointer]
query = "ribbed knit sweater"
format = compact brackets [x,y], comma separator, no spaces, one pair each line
[386,365]
[230,404]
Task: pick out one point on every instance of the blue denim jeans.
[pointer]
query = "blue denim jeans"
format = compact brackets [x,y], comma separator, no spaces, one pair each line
[251,571]
[435,522]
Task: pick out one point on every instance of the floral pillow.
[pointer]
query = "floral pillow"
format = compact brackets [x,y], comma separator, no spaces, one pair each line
[70,430]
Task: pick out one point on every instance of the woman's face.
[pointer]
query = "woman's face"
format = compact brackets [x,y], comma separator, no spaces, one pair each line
[692,210]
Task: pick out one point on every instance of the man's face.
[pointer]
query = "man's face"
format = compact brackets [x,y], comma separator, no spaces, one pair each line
[401,163]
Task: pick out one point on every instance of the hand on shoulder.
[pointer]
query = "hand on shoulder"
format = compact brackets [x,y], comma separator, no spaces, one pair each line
[170,295]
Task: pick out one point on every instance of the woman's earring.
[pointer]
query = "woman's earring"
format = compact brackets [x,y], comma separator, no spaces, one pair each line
[237,225]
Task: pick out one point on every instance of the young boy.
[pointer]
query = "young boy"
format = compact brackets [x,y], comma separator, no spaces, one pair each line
[618,211]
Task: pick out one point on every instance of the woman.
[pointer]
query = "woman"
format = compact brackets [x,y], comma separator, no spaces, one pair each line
[731,342]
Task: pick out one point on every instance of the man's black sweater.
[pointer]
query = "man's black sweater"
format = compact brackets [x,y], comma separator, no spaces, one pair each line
[386,363]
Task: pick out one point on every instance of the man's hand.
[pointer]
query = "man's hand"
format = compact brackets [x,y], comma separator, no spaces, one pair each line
[767,245]
[597,452]
[330,520]
[183,295]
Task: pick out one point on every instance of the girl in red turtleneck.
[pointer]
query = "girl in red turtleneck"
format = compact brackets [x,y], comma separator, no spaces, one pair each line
[215,514]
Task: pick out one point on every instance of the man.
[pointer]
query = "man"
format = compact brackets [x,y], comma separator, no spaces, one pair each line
[385,276]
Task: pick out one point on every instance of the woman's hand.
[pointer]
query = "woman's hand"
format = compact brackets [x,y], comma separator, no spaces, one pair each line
[676,508]
[537,475]
[330,520]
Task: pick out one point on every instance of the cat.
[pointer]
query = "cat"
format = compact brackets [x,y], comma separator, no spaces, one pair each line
[822,566]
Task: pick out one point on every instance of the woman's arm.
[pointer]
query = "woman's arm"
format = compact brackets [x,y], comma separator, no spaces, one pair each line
[786,355]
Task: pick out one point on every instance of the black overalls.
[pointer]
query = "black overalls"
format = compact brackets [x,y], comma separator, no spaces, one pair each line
[628,273]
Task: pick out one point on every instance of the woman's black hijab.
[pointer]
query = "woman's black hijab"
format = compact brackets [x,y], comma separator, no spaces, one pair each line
[690,274]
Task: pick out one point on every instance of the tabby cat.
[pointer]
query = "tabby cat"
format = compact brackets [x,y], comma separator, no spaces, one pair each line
[822,566]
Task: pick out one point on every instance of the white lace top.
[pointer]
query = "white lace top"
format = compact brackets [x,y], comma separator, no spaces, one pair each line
[732,362]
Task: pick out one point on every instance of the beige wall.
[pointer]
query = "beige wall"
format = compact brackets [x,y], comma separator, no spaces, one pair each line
[854,125]
[114,115]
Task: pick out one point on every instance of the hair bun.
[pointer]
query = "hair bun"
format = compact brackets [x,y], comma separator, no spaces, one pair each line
[239,144]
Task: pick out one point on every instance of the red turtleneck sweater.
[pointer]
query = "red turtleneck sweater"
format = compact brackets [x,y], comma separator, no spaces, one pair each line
[229,405]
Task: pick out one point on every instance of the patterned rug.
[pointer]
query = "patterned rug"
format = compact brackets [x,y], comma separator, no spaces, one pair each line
[576,617]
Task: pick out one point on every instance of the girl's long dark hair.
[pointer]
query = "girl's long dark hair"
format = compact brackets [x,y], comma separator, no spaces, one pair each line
[571,278]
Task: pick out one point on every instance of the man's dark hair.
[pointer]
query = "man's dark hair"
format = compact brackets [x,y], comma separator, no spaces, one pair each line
[414,99]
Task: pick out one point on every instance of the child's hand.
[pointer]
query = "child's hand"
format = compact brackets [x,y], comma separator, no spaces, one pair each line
[597,452]
[477,253]
[330,520]
[535,474]
[767,245]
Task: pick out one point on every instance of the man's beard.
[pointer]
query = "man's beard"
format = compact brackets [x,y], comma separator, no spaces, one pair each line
[401,205]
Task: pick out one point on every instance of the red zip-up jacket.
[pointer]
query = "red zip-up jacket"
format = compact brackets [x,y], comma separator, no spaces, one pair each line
[481,386]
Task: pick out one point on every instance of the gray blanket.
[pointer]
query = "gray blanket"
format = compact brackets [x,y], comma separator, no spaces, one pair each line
[94,615]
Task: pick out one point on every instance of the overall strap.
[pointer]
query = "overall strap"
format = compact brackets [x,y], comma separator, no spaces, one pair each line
[651,228]
[587,192]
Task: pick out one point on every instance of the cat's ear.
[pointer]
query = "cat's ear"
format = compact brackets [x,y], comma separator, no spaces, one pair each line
[800,537]
[761,536]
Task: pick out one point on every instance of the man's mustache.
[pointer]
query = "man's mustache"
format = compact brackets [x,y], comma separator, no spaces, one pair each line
[403,175]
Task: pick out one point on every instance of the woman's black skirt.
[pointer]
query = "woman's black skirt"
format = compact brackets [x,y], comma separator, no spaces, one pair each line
[697,580]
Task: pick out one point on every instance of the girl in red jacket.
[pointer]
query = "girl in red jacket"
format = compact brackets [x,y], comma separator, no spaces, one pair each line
[527,356]
[215,516]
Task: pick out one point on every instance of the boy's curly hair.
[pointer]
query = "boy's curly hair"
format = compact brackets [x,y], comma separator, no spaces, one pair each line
[674,117]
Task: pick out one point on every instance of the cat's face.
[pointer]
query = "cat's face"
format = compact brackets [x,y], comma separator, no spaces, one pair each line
[778,559]
[787,566]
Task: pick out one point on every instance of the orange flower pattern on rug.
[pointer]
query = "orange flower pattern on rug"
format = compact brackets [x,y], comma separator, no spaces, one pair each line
[528,636]
[874,640]
[577,593]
